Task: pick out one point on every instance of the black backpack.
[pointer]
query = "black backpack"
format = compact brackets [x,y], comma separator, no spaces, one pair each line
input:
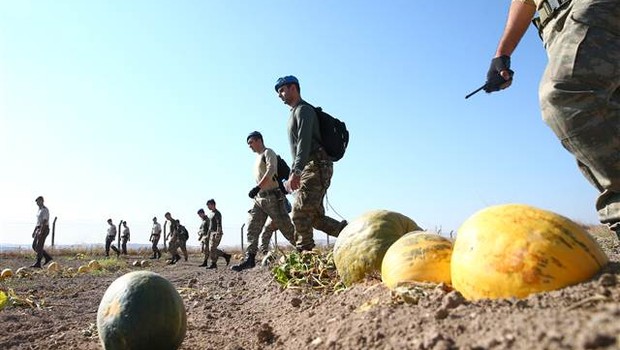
[283,172]
[334,134]
[183,234]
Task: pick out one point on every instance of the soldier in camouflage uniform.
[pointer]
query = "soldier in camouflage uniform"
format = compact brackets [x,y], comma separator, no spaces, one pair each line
[203,236]
[311,170]
[110,238]
[215,236]
[155,235]
[268,200]
[182,237]
[580,89]
[173,243]
[125,237]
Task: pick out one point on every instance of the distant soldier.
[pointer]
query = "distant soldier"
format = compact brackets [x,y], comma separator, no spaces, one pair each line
[109,239]
[182,236]
[173,243]
[155,234]
[41,230]
[215,236]
[203,236]
[125,238]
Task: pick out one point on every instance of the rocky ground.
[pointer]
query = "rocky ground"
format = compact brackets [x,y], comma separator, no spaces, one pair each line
[250,310]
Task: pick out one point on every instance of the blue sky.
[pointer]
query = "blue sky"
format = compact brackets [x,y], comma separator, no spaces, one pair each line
[129,109]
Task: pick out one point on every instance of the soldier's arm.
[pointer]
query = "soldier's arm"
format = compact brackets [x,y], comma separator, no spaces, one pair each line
[219,223]
[519,17]
[271,163]
[306,117]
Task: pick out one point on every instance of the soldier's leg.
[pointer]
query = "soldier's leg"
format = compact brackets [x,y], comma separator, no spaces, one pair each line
[184,249]
[107,246]
[580,98]
[214,242]
[124,246]
[257,218]
[35,247]
[157,251]
[116,250]
[265,236]
[280,219]
[322,222]
[35,242]
[307,206]
[172,249]
[205,244]
[41,245]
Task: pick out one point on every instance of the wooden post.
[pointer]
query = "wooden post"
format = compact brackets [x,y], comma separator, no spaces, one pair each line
[275,240]
[54,229]
[242,226]
[327,239]
[119,234]
[165,236]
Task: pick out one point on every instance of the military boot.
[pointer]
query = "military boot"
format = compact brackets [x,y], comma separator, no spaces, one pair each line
[248,263]
[212,266]
[204,263]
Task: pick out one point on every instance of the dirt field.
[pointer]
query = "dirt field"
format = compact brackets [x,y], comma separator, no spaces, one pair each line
[249,310]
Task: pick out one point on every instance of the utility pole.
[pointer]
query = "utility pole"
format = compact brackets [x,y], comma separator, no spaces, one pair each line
[54,229]
[242,226]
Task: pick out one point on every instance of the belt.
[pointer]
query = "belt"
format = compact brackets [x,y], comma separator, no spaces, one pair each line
[546,12]
[265,193]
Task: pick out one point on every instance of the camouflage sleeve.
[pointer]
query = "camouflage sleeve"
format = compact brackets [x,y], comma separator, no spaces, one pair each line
[306,118]
[218,219]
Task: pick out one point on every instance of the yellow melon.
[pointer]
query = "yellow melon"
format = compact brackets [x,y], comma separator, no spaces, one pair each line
[53,266]
[94,265]
[83,269]
[515,250]
[22,271]
[145,263]
[417,257]
[6,273]
[361,245]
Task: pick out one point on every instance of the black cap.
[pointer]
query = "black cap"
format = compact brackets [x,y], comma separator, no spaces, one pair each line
[254,134]
[39,198]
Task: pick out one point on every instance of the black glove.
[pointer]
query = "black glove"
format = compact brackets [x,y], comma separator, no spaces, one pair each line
[254,192]
[494,79]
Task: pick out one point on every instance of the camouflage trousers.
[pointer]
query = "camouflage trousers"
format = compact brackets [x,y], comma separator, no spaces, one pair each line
[214,241]
[155,241]
[109,243]
[308,211]
[175,244]
[38,243]
[270,204]
[265,236]
[269,228]
[580,94]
